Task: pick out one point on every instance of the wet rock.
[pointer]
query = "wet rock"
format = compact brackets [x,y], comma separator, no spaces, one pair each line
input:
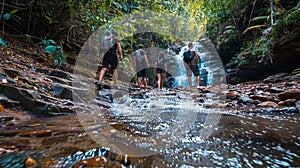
[16,160]
[118,93]
[43,133]
[245,100]
[1,108]
[288,102]
[48,163]
[276,78]
[290,94]
[171,94]
[256,102]
[298,105]
[30,162]
[259,97]
[42,70]
[279,110]
[34,125]
[97,161]
[61,109]
[200,100]
[103,104]
[4,151]
[9,80]
[232,95]
[59,80]
[29,99]
[60,74]
[260,92]
[124,160]
[262,87]
[69,93]
[268,104]
[11,72]
[105,95]
[275,90]
[9,133]
[7,118]
[13,160]
[224,105]
[295,74]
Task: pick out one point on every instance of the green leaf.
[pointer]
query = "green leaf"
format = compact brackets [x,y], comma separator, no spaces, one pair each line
[259,18]
[14,11]
[50,21]
[56,63]
[28,37]
[2,42]
[16,18]
[50,49]
[135,8]
[107,3]
[48,42]
[230,27]
[6,16]
[72,12]
[63,58]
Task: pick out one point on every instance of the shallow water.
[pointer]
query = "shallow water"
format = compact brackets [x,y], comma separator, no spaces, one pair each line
[170,132]
[238,139]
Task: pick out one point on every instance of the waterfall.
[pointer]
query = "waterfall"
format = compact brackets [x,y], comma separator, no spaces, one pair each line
[211,68]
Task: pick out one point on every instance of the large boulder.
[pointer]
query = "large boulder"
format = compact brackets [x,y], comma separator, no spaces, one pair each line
[290,94]
[29,99]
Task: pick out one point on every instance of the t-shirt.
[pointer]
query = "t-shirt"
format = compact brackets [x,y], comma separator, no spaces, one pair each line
[109,45]
[113,50]
[140,57]
[160,62]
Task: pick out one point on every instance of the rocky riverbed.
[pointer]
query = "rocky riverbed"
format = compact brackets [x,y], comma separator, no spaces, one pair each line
[40,126]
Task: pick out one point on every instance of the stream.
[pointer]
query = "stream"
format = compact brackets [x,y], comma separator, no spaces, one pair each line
[123,127]
[238,140]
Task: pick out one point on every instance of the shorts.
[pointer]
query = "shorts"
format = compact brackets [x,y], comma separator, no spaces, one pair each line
[141,73]
[192,69]
[110,59]
[159,70]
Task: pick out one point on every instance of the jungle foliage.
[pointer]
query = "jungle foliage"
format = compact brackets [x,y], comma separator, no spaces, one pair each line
[251,27]
[234,26]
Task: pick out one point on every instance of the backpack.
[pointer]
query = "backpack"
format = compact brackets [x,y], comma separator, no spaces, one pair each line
[106,43]
[140,56]
[188,56]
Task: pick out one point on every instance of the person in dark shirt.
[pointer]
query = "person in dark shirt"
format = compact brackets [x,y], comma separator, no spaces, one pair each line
[161,70]
[140,63]
[192,67]
[111,59]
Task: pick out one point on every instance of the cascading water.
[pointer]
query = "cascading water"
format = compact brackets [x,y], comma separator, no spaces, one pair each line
[210,67]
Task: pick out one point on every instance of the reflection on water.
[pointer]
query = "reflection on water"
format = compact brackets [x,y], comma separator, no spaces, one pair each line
[242,140]
[238,140]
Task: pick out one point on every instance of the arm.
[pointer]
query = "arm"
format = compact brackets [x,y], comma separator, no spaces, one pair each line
[147,62]
[197,58]
[165,66]
[120,50]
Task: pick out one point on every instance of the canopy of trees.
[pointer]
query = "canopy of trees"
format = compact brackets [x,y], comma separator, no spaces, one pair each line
[70,22]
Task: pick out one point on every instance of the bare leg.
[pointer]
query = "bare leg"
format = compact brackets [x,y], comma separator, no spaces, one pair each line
[198,81]
[102,72]
[162,80]
[145,83]
[158,81]
[139,82]
[190,81]
[115,76]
